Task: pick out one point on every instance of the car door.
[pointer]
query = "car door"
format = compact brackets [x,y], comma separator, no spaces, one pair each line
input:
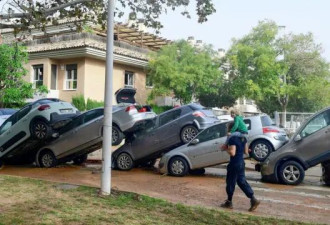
[314,143]
[14,130]
[207,151]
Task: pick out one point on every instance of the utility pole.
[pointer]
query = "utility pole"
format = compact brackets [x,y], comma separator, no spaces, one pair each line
[107,127]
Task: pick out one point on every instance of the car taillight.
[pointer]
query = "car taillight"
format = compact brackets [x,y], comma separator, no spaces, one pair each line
[43,107]
[269,130]
[199,114]
[129,108]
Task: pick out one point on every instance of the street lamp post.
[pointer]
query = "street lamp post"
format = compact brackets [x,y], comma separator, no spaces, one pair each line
[107,127]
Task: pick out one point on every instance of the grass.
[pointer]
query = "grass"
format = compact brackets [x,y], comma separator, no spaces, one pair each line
[28,201]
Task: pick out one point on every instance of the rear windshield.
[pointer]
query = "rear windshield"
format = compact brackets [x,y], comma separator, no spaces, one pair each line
[266,121]
[195,106]
[7,111]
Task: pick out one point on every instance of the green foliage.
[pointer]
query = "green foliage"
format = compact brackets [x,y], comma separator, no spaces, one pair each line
[13,89]
[275,69]
[79,102]
[160,109]
[92,104]
[183,70]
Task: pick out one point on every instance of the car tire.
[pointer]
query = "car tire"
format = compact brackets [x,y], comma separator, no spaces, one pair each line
[178,167]
[200,171]
[47,159]
[188,133]
[80,159]
[40,130]
[124,162]
[291,172]
[117,136]
[326,172]
[260,150]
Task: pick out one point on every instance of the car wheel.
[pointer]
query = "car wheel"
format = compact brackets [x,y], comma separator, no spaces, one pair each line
[291,172]
[40,130]
[47,159]
[326,172]
[80,160]
[117,136]
[178,167]
[200,171]
[188,133]
[260,150]
[124,162]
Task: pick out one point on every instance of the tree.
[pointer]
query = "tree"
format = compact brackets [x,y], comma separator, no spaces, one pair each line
[27,13]
[269,67]
[184,71]
[13,89]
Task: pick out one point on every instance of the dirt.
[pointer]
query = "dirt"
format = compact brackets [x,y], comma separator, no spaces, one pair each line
[302,203]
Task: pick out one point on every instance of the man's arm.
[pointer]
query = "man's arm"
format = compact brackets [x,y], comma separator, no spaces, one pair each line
[246,149]
[231,150]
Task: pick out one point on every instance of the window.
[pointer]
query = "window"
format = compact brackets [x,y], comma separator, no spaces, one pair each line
[168,117]
[149,81]
[93,115]
[71,77]
[248,124]
[316,124]
[212,133]
[266,121]
[129,79]
[38,76]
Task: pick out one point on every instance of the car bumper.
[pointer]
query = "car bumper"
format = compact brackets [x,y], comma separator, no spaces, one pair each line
[163,165]
[136,120]
[267,172]
[59,120]
[278,143]
[205,124]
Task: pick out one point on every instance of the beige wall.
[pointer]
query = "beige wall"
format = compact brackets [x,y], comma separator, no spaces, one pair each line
[91,78]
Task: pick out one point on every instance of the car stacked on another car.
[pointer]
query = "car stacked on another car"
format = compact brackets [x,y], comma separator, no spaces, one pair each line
[27,129]
[127,115]
[169,129]
[76,140]
[309,146]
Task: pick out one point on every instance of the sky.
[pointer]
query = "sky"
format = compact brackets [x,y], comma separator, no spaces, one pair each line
[235,18]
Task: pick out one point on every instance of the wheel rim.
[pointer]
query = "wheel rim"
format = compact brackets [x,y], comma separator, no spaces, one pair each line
[115,135]
[124,162]
[40,130]
[261,150]
[291,173]
[188,134]
[47,160]
[177,167]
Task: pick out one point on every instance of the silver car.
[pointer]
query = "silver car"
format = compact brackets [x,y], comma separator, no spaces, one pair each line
[309,146]
[81,136]
[127,115]
[203,151]
[264,137]
[161,134]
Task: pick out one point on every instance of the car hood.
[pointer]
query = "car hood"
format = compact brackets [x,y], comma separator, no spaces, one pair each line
[125,95]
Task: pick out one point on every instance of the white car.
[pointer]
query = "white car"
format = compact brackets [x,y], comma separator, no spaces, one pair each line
[5,114]
[27,129]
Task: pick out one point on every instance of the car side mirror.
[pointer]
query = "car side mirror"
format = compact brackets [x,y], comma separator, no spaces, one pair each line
[298,138]
[194,142]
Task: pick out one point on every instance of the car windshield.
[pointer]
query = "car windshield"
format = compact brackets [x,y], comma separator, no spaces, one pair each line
[266,121]
[7,111]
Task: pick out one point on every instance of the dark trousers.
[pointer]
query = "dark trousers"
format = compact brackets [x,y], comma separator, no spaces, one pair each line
[236,174]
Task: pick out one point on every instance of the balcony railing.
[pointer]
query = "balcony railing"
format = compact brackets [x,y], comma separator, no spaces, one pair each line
[79,36]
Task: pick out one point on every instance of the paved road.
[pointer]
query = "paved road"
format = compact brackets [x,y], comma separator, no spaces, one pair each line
[309,201]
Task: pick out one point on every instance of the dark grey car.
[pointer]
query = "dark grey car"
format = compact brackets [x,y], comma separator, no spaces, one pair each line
[168,130]
[81,136]
[309,146]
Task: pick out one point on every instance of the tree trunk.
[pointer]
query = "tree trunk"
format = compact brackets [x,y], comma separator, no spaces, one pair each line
[283,116]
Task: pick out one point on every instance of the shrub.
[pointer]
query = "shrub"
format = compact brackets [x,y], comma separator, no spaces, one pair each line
[79,102]
[160,109]
[92,104]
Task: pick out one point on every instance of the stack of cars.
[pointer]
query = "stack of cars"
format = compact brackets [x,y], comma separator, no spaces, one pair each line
[170,129]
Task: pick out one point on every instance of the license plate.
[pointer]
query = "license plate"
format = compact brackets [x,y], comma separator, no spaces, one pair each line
[66,110]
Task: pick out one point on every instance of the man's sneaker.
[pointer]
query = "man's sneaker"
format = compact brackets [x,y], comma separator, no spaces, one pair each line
[254,204]
[227,204]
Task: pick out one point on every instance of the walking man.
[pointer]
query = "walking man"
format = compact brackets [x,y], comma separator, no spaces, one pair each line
[237,146]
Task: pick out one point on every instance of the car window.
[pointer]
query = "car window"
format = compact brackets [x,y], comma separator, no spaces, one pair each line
[76,122]
[92,115]
[317,123]
[266,121]
[6,125]
[248,124]
[169,116]
[8,111]
[213,132]
[22,113]
[195,106]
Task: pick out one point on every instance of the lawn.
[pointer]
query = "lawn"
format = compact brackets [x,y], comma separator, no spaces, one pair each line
[28,201]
